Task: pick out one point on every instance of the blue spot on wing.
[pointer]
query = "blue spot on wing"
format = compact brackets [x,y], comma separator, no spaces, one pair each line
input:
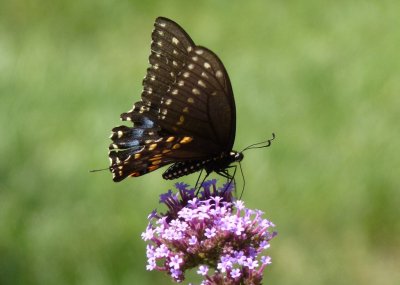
[132,143]
[137,133]
[147,123]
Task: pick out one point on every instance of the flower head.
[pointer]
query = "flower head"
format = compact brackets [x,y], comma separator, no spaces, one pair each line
[211,232]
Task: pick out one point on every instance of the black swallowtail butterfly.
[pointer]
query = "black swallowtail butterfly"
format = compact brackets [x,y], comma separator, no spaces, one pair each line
[187,114]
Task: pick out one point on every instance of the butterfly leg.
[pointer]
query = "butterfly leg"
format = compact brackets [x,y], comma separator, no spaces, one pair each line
[204,179]
[198,178]
[244,180]
[233,177]
[230,178]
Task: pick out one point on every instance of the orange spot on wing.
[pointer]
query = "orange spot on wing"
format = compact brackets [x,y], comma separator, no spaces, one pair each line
[186,140]
[156,162]
[152,167]
[152,146]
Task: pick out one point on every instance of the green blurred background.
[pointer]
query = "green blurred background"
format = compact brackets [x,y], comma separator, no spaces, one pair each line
[323,75]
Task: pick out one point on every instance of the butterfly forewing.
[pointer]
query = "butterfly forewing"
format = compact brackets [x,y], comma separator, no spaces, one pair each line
[187,111]
[213,80]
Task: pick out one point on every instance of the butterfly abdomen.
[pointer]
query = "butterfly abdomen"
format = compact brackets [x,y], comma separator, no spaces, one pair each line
[217,164]
[183,168]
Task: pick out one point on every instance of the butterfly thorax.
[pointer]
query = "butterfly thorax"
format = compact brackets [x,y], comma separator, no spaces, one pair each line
[215,164]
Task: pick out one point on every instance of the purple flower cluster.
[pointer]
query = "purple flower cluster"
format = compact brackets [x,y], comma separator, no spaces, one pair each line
[210,231]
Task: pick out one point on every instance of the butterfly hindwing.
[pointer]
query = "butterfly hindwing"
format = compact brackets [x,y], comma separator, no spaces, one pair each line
[139,150]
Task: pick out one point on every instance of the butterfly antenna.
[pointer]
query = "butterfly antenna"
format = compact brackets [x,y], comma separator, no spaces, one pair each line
[97,170]
[263,144]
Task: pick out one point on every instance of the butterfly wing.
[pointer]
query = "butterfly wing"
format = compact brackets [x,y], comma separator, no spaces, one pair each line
[204,93]
[187,110]
[141,149]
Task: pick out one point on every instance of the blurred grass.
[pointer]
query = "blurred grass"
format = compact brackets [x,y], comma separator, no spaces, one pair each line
[324,76]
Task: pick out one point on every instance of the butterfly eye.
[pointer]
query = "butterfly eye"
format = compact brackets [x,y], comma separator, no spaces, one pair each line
[239,156]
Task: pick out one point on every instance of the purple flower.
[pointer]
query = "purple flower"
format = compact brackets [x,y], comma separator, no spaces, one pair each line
[192,240]
[235,273]
[239,229]
[265,244]
[162,251]
[148,234]
[251,264]
[150,252]
[266,259]
[175,262]
[225,263]
[239,205]
[208,231]
[176,274]
[151,264]
[240,258]
[202,270]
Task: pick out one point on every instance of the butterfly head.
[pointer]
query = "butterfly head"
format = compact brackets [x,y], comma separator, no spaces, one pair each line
[236,156]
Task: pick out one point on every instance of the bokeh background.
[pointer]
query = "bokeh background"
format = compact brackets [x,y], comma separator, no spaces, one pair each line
[324,76]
